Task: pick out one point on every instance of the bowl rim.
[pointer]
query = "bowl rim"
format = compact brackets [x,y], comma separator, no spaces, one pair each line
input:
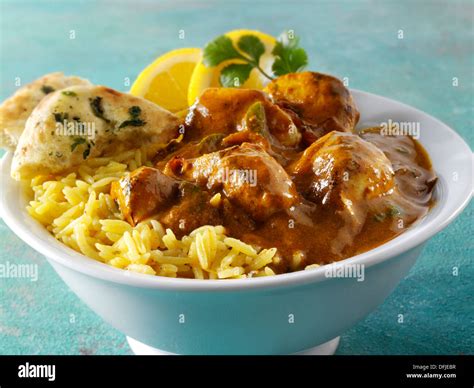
[61,254]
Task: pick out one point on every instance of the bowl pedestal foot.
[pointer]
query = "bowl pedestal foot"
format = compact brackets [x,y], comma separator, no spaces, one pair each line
[326,349]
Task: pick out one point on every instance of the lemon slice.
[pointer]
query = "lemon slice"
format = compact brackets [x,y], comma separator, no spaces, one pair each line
[165,82]
[204,77]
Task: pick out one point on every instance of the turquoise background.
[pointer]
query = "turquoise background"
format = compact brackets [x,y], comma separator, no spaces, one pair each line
[354,39]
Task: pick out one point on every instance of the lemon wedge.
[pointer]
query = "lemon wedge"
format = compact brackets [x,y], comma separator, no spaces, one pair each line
[204,77]
[165,81]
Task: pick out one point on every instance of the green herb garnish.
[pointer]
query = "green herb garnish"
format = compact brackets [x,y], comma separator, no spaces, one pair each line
[222,49]
[97,109]
[210,143]
[69,93]
[80,140]
[402,150]
[57,154]
[379,217]
[234,76]
[134,121]
[46,89]
[77,141]
[87,151]
[289,57]
[391,212]
[256,119]
[60,117]
[134,111]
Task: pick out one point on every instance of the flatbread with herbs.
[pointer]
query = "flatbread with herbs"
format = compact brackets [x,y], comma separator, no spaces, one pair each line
[74,124]
[15,110]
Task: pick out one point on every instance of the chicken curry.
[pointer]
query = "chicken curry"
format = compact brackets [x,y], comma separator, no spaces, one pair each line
[283,168]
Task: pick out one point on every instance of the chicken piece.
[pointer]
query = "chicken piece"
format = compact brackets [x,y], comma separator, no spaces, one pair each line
[179,205]
[227,110]
[246,174]
[143,192]
[340,167]
[15,110]
[194,149]
[321,101]
[191,211]
[343,173]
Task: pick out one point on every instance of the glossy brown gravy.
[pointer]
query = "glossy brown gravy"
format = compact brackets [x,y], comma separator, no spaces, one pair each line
[321,195]
[321,241]
[308,233]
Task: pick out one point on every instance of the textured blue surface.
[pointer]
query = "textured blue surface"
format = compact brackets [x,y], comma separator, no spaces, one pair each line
[358,40]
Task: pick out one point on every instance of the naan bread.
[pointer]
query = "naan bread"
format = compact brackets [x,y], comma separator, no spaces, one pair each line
[74,124]
[15,110]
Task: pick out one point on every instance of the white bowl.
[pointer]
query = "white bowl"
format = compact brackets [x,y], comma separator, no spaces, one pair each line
[272,315]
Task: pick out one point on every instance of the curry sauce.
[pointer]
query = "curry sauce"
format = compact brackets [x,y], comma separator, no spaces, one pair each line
[284,168]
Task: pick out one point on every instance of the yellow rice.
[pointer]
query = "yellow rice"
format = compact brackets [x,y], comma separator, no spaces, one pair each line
[77,209]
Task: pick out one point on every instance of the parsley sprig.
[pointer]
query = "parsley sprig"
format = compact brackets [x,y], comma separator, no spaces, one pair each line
[289,57]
